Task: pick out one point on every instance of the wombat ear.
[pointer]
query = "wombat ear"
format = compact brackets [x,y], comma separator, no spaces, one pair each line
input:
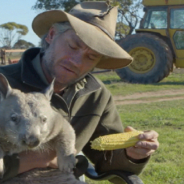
[5,89]
[49,90]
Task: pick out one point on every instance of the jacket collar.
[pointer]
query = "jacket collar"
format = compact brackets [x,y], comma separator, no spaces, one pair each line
[32,74]
[28,73]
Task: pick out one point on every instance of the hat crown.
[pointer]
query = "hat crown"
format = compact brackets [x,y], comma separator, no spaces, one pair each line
[99,14]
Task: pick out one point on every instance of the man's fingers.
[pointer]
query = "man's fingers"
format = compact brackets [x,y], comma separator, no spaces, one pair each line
[148,135]
[129,129]
[139,153]
[146,146]
[151,145]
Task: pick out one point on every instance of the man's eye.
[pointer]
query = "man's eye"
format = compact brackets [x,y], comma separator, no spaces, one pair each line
[91,58]
[72,47]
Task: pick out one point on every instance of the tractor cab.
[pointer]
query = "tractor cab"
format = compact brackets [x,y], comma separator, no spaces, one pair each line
[166,18]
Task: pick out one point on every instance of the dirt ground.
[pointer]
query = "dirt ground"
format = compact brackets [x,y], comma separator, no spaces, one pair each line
[150,97]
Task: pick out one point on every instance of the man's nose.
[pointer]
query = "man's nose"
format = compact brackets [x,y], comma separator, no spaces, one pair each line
[77,59]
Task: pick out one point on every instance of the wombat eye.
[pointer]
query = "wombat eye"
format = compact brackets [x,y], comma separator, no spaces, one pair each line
[14,117]
[44,119]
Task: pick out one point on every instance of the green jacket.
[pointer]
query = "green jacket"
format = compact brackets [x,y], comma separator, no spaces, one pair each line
[91,112]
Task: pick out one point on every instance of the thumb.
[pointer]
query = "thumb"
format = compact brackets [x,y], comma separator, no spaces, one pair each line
[129,129]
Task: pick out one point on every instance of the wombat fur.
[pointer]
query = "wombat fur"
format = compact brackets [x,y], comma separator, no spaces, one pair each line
[28,122]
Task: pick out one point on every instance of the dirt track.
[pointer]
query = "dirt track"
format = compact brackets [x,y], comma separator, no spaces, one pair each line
[150,97]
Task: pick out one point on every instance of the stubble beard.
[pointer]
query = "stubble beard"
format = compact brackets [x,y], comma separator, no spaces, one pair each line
[48,62]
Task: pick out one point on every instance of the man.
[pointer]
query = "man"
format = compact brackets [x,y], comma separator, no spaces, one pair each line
[72,45]
[3,56]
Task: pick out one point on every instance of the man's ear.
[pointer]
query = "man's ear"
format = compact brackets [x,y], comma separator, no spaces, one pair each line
[50,35]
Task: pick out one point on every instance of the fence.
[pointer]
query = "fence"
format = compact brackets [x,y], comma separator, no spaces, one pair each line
[13,55]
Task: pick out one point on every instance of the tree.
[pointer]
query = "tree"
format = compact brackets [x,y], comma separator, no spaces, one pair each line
[128,14]
[22,44]
[55,4]
[11,32]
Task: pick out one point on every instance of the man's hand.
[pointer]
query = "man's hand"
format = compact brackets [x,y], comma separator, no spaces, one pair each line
[145,147]
[31,160]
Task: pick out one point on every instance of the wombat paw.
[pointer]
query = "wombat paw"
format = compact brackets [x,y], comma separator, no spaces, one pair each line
[67,164]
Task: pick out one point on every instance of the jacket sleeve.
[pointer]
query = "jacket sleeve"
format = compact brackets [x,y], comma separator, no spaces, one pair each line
[110,123]
[11,164]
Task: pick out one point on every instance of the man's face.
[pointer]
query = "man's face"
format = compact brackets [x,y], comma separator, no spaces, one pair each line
[67,58]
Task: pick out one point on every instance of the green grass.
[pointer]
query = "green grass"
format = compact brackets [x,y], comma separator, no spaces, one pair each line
[166,166]
[117,87]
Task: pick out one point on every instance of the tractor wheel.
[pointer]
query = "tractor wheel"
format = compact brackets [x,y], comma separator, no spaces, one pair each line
[153,59]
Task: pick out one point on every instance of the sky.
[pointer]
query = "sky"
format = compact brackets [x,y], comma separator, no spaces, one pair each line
[21,12]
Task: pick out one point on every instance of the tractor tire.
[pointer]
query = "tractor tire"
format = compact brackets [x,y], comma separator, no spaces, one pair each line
[153,59]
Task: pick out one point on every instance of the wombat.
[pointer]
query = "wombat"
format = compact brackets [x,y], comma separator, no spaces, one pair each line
[28,122]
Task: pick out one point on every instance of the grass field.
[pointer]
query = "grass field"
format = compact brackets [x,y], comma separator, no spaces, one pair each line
[117,87]
[166,166]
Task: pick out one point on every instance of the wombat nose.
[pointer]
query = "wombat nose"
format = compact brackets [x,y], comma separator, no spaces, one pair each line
[31,142]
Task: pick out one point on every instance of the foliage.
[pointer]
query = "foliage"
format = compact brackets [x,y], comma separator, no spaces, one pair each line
[55,4]
[23,44]
[11,32]
[128,16]
[121,30]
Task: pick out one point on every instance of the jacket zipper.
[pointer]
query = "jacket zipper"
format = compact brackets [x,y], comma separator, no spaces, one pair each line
[73,99]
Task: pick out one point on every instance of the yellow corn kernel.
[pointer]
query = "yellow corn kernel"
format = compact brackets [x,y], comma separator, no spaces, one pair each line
[116,141]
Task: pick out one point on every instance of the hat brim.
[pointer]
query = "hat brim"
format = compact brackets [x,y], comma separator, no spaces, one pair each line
[91,35]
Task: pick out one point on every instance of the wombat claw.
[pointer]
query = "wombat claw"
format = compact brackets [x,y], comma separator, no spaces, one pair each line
[67,164]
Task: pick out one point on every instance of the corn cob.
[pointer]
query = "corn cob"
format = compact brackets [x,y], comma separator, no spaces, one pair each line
[116,141]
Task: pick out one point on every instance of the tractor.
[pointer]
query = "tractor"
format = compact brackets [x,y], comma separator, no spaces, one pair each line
[158,45]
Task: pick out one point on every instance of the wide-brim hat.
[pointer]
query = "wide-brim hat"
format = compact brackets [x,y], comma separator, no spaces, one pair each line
[95,24]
